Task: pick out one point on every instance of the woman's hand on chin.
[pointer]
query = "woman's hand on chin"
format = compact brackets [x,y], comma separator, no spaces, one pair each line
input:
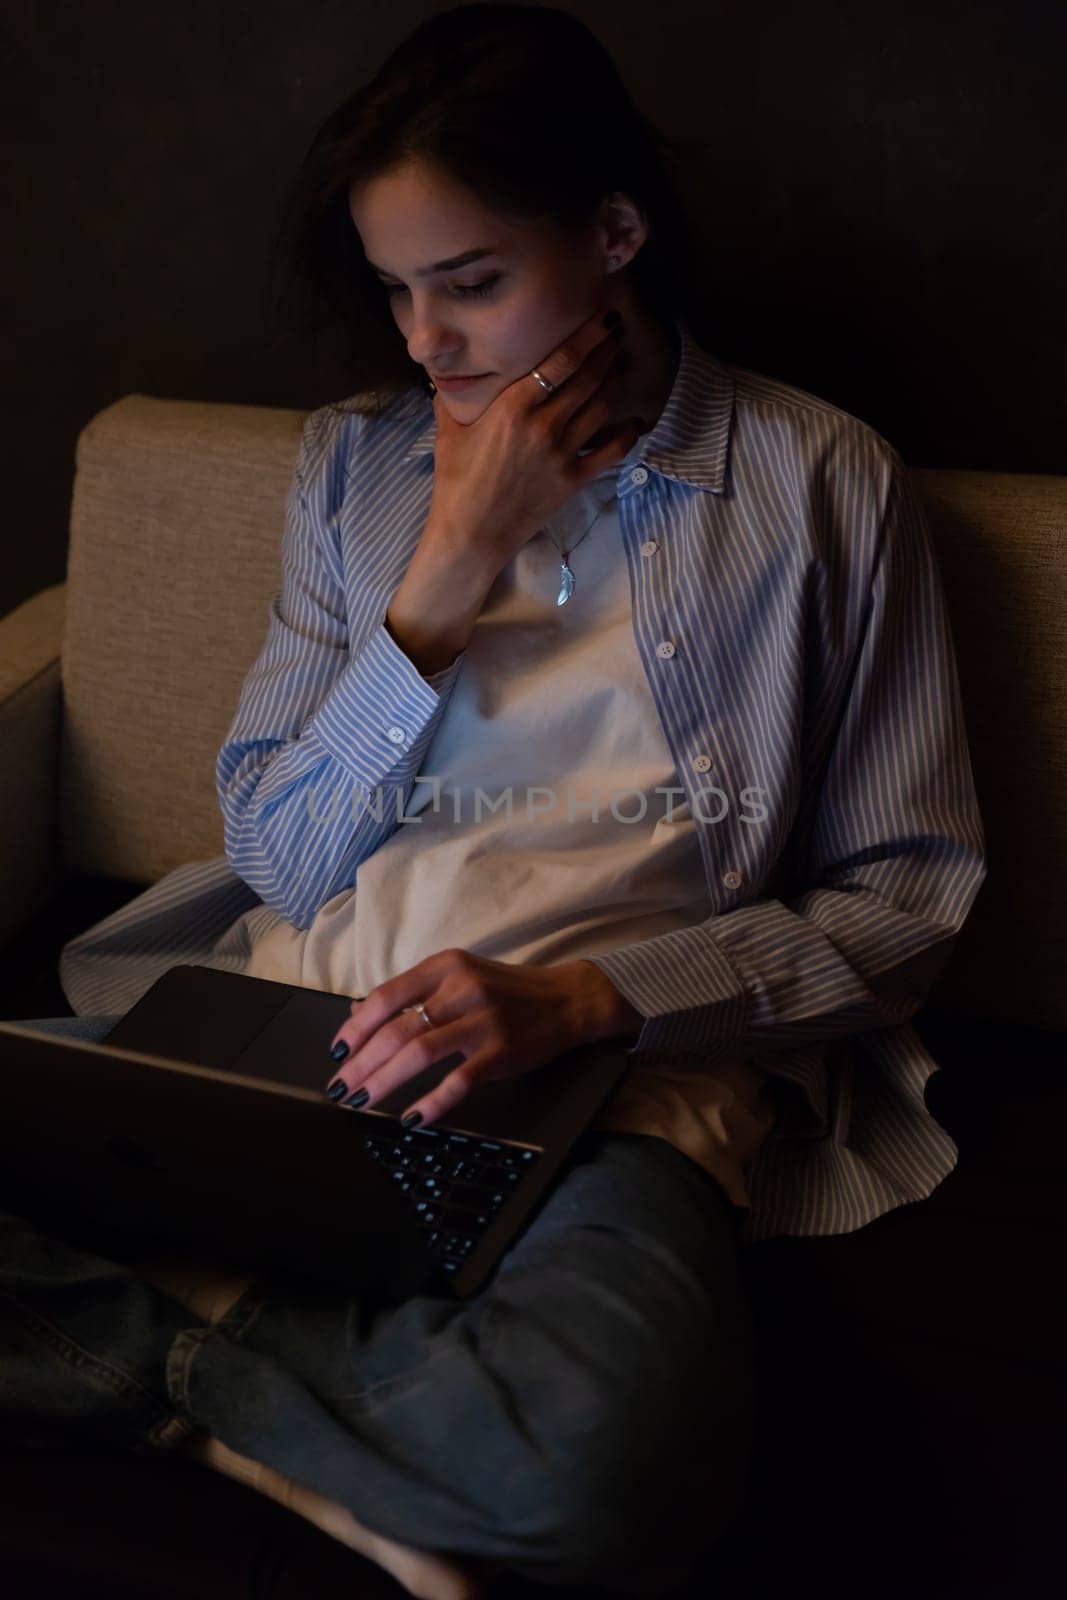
[504,1019]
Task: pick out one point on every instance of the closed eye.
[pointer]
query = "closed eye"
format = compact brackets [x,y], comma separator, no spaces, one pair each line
[464,291]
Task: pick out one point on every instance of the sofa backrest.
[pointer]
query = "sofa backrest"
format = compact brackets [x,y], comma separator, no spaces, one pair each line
[1001,545]
[176,523]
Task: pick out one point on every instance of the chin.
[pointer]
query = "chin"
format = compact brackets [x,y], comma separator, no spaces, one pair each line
[468,407]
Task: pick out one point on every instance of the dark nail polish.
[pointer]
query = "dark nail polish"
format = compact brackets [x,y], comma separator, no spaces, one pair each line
[612,318]
[360,1098]
[336,1090]
[618,332]
[339,1051]
[412,1119]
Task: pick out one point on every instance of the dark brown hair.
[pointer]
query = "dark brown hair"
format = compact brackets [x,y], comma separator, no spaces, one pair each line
[524,106]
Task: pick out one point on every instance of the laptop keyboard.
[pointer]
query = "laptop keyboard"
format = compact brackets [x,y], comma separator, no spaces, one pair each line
[455,1182]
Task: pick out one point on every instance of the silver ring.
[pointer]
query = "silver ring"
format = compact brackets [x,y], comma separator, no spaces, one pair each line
[547,386]
[423,1013]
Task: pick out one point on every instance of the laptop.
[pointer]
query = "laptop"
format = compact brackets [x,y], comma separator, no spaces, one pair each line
[202,1120]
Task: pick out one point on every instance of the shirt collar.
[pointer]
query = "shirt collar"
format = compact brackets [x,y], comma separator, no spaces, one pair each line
[690,441]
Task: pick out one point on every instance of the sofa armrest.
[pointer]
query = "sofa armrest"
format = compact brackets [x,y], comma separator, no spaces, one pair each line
[31,639]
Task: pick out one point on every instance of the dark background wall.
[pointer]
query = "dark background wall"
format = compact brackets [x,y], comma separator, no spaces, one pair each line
[880,189]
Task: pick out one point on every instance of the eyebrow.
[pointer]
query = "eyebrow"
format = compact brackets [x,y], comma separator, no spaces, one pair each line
[450,265]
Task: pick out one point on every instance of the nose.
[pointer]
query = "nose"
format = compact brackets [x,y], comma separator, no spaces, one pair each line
[429,341]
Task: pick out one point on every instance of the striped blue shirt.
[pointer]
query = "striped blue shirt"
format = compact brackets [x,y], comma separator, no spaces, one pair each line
[789,616]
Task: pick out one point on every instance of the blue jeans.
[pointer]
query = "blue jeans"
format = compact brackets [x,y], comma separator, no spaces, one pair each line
[587,1418]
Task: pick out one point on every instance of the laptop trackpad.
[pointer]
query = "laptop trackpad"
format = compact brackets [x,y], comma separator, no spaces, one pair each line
[294,1048]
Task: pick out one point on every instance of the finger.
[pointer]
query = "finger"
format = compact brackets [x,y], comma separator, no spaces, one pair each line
[619,444]
[341,1037]
[449,1093]
[387,1000]
[567,358]
[379,1048]
[412,1057]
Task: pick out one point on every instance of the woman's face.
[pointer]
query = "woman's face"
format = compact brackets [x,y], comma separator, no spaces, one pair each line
[499,315]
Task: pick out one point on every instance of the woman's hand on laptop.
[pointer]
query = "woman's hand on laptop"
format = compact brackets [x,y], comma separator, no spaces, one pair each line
[504,1018]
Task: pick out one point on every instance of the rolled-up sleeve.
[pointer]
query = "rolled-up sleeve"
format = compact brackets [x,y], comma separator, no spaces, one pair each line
[327,739]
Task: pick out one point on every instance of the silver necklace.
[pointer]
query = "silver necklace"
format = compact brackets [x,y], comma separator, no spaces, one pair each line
[566,576]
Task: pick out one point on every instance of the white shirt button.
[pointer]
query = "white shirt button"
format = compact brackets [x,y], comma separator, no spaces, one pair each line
[639,475]
[397,735]
[702,764]
[732,880]
[665,649]
[649,547]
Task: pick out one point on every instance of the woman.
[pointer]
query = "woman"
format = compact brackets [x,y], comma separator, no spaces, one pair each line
[602,570]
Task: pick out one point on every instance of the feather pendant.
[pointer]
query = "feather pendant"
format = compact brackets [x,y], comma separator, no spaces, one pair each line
[566,583]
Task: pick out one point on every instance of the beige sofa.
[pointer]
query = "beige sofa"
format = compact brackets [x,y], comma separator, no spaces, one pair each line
[118,686]
[116,690]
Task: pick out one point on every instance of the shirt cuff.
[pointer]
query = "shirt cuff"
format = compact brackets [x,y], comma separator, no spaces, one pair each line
[380,703]
[685,988]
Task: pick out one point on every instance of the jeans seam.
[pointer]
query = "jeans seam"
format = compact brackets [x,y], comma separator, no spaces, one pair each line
[172,1432]
[179,1359]
[398,1381]
[118,1379]
[184,1348]
[490,1306]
